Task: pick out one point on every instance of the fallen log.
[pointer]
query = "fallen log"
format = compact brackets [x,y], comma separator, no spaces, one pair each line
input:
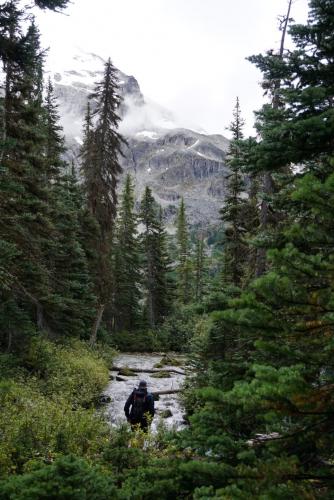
[162,393]
[147,370]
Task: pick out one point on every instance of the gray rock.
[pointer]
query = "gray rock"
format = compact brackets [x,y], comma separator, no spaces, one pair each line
[104,399]
[174,162]
[166,413]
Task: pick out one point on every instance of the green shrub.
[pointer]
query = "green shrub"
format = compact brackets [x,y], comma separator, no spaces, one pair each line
[43,407]
[67,478]
[35,427]
[73,371]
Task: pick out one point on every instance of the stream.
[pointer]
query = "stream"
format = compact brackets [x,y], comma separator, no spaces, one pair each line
[119,391]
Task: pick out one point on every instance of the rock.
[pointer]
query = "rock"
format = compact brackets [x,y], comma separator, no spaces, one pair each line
[120,379]
[126,372]
[166,413]
[104,399]
[168,361]
[111,377]
[159,365]
[161,375]
[174,162]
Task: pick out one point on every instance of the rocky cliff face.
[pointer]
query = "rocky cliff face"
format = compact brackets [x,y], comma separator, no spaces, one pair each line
[174,162]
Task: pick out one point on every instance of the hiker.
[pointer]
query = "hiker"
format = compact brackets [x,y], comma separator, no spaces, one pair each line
[142,407]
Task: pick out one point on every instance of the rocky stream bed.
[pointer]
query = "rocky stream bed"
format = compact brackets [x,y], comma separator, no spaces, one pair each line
[168,408]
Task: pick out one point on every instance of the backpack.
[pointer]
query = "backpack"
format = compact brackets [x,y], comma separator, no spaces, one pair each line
[138,405]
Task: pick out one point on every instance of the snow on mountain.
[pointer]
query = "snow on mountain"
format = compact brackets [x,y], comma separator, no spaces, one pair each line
[175,162]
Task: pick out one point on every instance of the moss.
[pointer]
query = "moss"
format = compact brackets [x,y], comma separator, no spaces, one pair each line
[168,361]
[126,372]
[166,413]
[161,375]
[159,365]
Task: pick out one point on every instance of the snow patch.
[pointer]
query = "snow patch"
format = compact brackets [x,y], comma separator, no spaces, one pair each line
[194,145]
[148,133]
[149,170]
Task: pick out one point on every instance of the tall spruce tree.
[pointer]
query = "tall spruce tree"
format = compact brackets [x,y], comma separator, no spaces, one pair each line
[25,225]
[101,168]
[54,147]
[273,79]
[155,260]
[126,273]
[184,266]
[276,410]
[199,268]
[26,221]
[107,144]
[72,297]
[233,213]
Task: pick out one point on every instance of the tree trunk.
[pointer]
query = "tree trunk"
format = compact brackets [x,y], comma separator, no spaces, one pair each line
[97,323]
[9,71]
[147,370]
[268,189]
[162,393]
[10,339]
[268,185]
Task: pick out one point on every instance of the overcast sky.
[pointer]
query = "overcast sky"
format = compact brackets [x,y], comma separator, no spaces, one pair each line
[187,55]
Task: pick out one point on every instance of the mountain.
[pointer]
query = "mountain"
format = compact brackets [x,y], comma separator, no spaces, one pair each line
[173,161]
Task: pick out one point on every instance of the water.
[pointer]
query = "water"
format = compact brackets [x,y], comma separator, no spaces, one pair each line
[119,391]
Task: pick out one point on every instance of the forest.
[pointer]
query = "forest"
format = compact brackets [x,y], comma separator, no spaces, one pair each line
[86,272]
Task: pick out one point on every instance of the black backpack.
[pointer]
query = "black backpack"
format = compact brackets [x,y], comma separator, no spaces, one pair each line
[138,405]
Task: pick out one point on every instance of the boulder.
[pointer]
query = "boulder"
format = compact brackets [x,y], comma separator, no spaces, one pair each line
[166,413]
[104,399]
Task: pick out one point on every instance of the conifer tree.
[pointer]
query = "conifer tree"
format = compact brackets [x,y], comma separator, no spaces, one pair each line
[234,213]
[184,266]
[164,287]
[101,168]
[72,287]
[25,225]
[54,147]
[279,398]
[199,268]
[273,80]
[107,144]
[25,220]
[126,273]
[155,260]
[72,299]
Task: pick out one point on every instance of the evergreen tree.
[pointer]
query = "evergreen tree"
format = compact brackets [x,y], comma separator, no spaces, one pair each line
[25,226]
[54,147]
[107,143]
[199,268]
[25,221]
[101,168]
[234,213]
[164,286]
[273,80]
[126,272]
[155,260]
[72,298]
[184,266]
[276,405]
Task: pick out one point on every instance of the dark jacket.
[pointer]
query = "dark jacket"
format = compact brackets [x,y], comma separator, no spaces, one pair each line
[148,405]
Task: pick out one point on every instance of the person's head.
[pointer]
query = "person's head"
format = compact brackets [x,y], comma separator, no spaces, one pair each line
[143,384]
